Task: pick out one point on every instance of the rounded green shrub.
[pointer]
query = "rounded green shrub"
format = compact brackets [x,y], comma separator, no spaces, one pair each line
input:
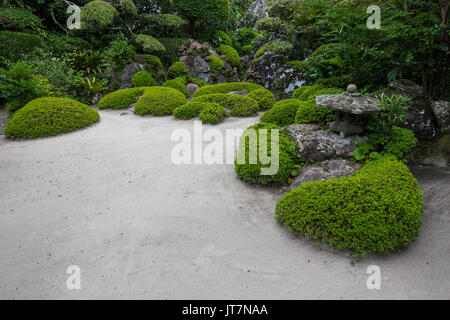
[215,64]
[207,14]
[378,209]
[263,97]
[306,92]
[330,60]
[149,44]
[250,169]
[18,19]
[298,65]
[153,62]
[308,111]
[396,141]
[230,55]
[271,25]
[178,69]
[189,110]
[48,117]
[282,113]
[120,99]
[213,114]
[159,101]
[227,87]
[143,79]
[128,7]
[240,106]
[221,37]
[98,14]
[177,84]
[282,48]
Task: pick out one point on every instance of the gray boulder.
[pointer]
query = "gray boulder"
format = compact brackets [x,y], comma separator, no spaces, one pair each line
[197,66]
[441,111]
[419,117]
[325,170]
[127,74]
[191,88]
[242,92]
[256,11]
[319,145]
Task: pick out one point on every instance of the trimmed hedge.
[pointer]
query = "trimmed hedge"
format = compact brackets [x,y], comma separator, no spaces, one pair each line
[178,69]
[159,101]
[397,141]
[230,55]
[309,111]
[189,110]
[143,79]
[288,157]
[213,114]
[306,92]
[149,44]
[240,106]
[18,19]
[120,99]
[48,117]
[263,97]
[227,87]
[282,113]
[177,84]
[215,64]
[378,209]
[98,14]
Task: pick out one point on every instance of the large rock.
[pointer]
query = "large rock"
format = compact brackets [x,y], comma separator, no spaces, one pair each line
[319,145]
[419,117]
[325,170]
[256,11]
[441,111]
[191,88]
[127,74]
[197,66]
[353,103]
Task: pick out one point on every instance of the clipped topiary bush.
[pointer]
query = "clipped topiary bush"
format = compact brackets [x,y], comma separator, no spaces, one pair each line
[282,113]
[231,55]
[159,101]
[227,87]
[143,79]
[18,19]
[306,92]
[378,209]
[397,141]
[48,117]
[189,110]
[120,99]
[149,44]
[178,69]
[282,48]
[221,37]
[308,111]
[216,64]
[178,84]
[98,14]
[250,171]
[240,106]
[153,62]
[213,114]
[263,97]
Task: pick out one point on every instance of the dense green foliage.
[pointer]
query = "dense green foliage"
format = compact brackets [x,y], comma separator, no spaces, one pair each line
[98,14]
[18,19]
[149,44]
[48,117]
[397,141]
[282,113]
[230,55]
[227,87]
[177,84]
[240,106]
[378,209]
[282,48]
[263,97]
[159,101]
[120,99]
[250,168]
[15,45]
[143,79]
[213,114]
[190,110]
[178,69]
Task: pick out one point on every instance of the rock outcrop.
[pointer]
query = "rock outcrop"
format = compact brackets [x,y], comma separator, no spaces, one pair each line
[441,111]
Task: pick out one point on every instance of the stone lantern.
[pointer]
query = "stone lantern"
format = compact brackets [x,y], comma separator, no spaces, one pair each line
[349,107]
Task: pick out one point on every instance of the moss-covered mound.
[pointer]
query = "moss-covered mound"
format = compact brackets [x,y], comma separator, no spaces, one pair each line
[189,110]
[120,99]
[149,44]
[311,92]
[177,84]
[230,55]
[248,163]
[143,79]
[263,97]
[227,87]
[48,117]
[98,14]
[178,69]
[378,209]
[240,106]
[159,101]
[309,111]
[213,114]
[282,113]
